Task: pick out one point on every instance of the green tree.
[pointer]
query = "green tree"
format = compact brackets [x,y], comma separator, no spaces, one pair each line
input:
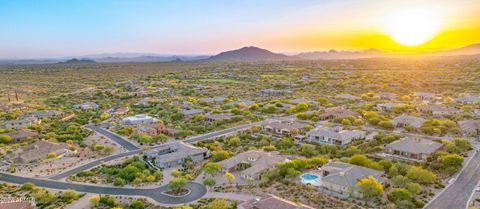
[94,200]
[119,182]
[370,187]
[301,107]
[234,141]
[177,184]
[362,160]
[219,204]
[69,196]
[308,150]
[399,194]
[52,155]
[414,188]
[176,173]
[421,175]
[27,186]
[209,182]
[220,155]
[229,176]
[452,160]
[400,181]
[211,168]
[5,139]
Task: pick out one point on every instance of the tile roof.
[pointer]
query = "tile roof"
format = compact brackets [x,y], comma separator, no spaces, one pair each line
[416,145]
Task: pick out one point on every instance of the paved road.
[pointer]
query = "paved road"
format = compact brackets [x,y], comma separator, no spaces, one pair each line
[197,190]
[122,141]
[92,164]
[215,134]
[456,195]
[115,137]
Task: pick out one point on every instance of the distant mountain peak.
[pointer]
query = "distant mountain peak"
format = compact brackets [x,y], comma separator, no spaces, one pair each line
[78,61]
[248,53]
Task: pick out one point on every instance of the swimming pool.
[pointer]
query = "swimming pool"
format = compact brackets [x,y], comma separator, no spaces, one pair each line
[311,178]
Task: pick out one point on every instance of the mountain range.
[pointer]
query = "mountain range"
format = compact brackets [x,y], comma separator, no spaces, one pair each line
[249,53]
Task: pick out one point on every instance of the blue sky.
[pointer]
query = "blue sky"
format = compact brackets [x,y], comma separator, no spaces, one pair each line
[73,27]
[48,28]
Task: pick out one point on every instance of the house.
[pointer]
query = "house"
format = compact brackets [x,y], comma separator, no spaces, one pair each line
[274,92]
[147,102]
[189,112]
[210,119]
[117,110]
[470,127]
[425,96]
[468,99]
[138,119]
[199,86]
[39,150]
[175,154]
[43,114]
[152,129]
[340,179]
[347,97]
[271,202]
[251,164]
[406,120]
[86,106]
[324,135]
[285,128]
[387,95]
[21,123]
[21,135]
[438,110]
[412,149]
[389,106]
[338,113]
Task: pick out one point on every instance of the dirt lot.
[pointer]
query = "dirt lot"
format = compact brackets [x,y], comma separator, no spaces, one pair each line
[82,156]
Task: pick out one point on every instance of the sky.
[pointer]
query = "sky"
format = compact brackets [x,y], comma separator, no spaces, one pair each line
[49,28]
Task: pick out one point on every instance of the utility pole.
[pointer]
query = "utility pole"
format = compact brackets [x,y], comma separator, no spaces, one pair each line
[8,95]
[16,95]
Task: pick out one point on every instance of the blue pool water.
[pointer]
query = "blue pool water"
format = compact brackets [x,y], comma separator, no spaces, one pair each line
[309,177]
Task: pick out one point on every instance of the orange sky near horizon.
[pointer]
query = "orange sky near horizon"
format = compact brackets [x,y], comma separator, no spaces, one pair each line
[459,26]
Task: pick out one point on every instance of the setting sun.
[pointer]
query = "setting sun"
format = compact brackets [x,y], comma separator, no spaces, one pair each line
[413,27]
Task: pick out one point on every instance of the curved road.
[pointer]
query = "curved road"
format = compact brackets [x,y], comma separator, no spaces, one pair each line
[457,194]
[197,190]
[92,164]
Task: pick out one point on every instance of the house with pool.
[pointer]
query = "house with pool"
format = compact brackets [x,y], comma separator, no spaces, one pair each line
[340,179]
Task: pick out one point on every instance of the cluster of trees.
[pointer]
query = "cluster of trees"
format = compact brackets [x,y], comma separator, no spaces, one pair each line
[131,171]
[148,139]
[376,119]
[439,127]
[66,131]
[292,169]
[449,160]
[380,139]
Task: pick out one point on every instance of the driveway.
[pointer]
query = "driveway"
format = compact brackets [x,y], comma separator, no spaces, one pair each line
[197,190]
[457,194]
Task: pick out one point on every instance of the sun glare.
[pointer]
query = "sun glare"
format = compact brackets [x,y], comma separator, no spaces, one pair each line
[413,27]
